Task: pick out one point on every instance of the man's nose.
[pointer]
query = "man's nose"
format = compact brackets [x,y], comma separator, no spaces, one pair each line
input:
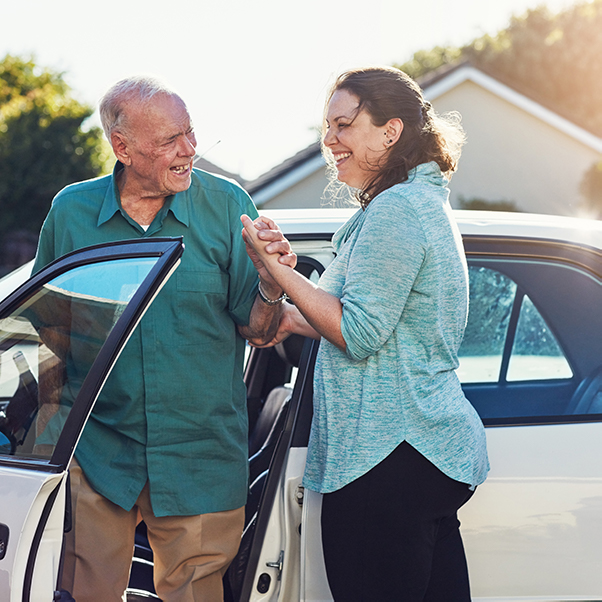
[188,146]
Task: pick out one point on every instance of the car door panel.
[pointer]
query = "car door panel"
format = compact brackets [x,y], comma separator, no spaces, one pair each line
[540,400]
[532,530]
[534,527]
[35,500]
[77,315]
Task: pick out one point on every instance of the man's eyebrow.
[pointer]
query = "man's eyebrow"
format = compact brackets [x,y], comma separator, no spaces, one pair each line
[174,136]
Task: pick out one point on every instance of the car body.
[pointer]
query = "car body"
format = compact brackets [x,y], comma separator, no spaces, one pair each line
[531,364]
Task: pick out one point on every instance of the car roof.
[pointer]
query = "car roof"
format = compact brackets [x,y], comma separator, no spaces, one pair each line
[476,223]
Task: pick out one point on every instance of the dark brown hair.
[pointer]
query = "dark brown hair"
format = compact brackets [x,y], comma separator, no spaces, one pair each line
[386,93]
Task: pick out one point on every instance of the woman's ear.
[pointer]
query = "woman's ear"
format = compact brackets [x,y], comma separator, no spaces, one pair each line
[393,130]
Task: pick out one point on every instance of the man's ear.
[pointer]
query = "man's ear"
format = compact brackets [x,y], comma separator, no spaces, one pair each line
[121,148]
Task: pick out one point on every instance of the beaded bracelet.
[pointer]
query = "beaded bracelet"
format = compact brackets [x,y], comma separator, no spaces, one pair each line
[267,301]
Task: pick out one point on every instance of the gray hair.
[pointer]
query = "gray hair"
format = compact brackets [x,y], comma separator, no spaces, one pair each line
[138,88]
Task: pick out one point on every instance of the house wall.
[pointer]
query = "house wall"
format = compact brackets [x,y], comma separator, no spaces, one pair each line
[512,155]
[308,192]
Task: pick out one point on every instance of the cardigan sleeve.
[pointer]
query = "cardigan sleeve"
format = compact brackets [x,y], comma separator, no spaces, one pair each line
[386,259]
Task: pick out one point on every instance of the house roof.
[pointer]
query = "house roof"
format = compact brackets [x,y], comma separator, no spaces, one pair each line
[448,78]
[286,174]
[212,168]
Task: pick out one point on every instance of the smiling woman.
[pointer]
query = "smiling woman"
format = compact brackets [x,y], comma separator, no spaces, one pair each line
[363,128]
[395,447]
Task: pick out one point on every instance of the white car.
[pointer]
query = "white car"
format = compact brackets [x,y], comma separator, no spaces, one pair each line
[531,364]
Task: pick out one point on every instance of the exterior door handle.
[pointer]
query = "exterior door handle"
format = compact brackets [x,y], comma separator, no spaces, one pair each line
[3,540]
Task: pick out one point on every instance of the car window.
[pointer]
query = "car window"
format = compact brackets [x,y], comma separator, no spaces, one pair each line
[535,353]
[490,305]
[49,344]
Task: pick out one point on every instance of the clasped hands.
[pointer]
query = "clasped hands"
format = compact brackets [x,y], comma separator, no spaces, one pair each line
[268,249]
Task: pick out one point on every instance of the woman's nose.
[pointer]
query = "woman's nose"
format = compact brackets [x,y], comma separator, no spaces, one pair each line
[329,138]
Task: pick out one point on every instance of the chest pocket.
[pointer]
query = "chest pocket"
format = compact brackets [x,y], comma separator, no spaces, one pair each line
[202,300]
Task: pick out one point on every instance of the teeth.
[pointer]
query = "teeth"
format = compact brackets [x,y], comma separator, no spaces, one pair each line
[180,169]
[341,156]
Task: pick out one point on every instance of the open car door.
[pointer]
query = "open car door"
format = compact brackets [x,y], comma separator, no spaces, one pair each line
[60,335]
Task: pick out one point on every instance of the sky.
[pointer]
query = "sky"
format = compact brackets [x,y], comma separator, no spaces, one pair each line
[253,73]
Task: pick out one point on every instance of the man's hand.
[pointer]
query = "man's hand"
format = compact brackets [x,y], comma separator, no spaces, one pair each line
[291,322]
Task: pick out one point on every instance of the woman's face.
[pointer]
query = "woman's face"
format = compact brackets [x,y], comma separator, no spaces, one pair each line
[356,144]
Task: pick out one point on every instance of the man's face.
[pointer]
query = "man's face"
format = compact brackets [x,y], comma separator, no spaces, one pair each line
[161,146]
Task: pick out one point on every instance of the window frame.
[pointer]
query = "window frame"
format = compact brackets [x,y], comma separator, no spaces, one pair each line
[499,251]
[168,252]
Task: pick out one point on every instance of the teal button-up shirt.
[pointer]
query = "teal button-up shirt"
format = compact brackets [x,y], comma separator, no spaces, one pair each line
[173,410]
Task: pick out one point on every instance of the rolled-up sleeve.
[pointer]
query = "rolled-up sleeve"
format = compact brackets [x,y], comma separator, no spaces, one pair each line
[383,267]
[243,275]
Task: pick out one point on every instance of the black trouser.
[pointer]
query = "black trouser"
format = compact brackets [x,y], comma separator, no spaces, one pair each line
[393,534]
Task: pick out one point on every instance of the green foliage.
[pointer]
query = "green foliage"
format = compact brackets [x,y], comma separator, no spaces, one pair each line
[425,61]
[43,146]
[591,188]
[552,58]
[477,204]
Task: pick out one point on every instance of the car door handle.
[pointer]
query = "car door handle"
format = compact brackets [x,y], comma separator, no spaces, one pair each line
[3,540]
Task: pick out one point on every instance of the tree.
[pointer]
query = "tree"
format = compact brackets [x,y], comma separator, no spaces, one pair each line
[479,204]
[43,144]
[552,58]
[424,62]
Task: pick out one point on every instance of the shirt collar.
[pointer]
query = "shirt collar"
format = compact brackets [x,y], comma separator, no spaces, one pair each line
[177,204]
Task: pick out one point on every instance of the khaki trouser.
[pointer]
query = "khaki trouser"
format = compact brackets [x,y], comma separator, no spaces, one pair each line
[191,553]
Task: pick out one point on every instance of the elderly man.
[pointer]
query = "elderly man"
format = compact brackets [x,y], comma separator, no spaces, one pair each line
[167,440]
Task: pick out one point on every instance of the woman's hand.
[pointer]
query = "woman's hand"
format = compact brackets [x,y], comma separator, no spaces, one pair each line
[263,239]
[266,244]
